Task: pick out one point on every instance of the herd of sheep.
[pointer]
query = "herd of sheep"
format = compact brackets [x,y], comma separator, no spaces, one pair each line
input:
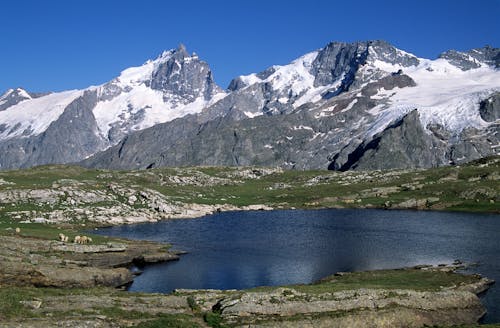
[65,239]
[76,240]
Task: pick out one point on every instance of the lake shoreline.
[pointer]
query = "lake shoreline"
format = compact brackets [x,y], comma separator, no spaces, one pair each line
[41,268]
[46,291]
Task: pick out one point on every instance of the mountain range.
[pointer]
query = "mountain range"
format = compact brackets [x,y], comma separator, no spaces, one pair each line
[361,105]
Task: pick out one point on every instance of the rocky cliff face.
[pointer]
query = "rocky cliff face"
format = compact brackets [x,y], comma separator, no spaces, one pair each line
[13,97]
[184,76]
[361,105]
[72,137]
[474,58]
[69,126]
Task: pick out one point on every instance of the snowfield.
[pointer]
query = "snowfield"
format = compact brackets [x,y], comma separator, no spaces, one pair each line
[444,95]
[33,116]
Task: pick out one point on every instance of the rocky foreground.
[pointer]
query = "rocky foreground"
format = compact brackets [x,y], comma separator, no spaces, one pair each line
[85,274]
[74,195]
[45,282]
[28,261]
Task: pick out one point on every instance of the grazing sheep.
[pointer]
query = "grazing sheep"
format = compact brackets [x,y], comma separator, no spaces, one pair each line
[63,238]
[18,230]
[82,240]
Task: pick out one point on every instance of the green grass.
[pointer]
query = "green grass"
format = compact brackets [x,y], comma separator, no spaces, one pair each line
[49,231]
[10,306]
[169,320]
[214,320]
[332,193]
[413,279]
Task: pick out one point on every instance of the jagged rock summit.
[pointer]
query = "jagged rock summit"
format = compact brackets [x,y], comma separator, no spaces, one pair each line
[361,105]
[69,126]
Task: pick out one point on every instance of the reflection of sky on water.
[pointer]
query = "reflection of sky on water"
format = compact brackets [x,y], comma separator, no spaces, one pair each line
[248,249]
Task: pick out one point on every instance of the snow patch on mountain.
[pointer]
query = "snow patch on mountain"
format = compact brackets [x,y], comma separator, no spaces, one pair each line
[138,75]
[252,115]
[149,104]
[444,95]
[296,79]
[34,116]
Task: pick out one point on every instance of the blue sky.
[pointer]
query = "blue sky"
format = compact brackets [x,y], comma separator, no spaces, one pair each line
[55,45]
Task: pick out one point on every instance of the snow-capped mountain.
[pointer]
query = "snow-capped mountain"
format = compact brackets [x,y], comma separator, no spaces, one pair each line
[344,106]
[87,121]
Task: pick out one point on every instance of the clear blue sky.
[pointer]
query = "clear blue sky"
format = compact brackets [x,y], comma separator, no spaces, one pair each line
[55,45]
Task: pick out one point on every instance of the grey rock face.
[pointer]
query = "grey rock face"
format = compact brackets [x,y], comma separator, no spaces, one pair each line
[473,58]
[69,139]
[490,108]
[329,133]
[338,61]
[389,82]
[402,145]
[13,97]
[405,144]
[333,108]
[344,59]
[184,76]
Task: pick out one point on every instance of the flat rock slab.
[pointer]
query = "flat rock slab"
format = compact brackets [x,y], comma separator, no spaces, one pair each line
[78,248]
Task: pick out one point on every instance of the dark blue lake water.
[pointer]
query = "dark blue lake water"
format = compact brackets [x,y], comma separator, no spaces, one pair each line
[247,249]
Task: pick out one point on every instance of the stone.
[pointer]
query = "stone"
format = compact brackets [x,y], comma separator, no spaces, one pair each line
[34,305]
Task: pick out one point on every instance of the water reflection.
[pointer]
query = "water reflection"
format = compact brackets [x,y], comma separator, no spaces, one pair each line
[248,249]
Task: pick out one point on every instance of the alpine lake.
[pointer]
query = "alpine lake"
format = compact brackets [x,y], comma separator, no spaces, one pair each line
[245,249]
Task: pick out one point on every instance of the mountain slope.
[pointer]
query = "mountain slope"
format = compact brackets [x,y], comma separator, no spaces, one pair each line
[365,105]
[362,105]
[70,126]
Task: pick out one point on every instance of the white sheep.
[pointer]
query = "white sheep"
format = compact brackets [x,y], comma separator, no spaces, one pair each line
[63,238]
[18,230]
[86,239]
[82,240]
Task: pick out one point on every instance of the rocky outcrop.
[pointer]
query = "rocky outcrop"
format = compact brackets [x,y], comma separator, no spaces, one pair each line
[380,308]
[490,108]
[402,145]
[69,200]
[343,60]
[473,58]
[320,306]
[48,263]
[13,97]
[184,76]
[407,144]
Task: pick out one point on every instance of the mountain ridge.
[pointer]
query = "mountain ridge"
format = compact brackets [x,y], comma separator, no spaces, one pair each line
[344,93]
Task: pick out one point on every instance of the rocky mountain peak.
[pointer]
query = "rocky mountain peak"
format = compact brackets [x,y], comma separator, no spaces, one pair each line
[184,76]
[332,101]
[474,58]
[341,61]
[12,97]
[181,50]
[386,52]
